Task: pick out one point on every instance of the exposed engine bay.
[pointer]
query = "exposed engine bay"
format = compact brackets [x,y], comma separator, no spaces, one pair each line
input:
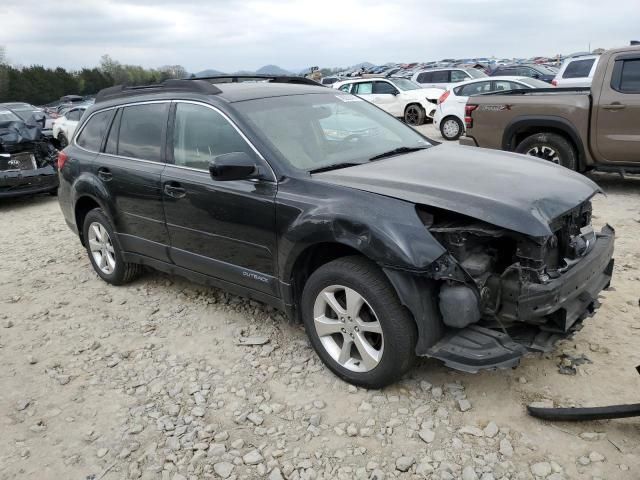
[532,290]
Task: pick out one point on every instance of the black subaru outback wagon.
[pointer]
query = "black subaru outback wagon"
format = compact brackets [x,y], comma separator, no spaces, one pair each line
[386,246]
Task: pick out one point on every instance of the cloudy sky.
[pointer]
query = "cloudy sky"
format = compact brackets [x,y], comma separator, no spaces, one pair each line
[246,34]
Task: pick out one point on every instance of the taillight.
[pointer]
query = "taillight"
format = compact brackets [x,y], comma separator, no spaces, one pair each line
[62,159]
[468,119]
[443,97]
[554,82]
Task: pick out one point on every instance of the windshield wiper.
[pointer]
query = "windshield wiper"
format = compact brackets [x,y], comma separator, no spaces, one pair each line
[396,151]
[333,167]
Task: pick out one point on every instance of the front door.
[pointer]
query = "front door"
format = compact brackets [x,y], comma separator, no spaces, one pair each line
[129,169]
[617,116]
[225,229]
[387,97]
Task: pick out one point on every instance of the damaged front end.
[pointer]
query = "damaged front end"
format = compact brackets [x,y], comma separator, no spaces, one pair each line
[27,161]
[503,293]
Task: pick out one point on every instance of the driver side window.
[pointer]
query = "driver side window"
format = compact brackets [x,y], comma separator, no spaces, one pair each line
[384,88]
[200,134]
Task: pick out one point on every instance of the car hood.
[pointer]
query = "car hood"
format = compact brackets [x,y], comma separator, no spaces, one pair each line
[513,191]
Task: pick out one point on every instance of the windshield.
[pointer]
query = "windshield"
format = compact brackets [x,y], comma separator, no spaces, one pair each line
[320,130]
[475,73]
[544,70]
[534,83]
[8,116]
[404,84]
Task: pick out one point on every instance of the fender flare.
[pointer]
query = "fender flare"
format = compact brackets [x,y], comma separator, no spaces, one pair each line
[541,122]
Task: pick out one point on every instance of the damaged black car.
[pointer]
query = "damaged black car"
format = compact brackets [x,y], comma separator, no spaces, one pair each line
[27,158]
[386,246]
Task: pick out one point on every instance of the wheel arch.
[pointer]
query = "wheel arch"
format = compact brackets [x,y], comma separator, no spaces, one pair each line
[89,194]
[521,127]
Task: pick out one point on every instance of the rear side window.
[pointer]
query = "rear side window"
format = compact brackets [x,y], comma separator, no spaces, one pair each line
[141,131]
[630,77]
[440,77]
[74,115]
[91,135]
[363,88]
[578,68]
[200,134]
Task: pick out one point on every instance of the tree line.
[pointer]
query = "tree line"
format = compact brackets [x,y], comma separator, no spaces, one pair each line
[40,85]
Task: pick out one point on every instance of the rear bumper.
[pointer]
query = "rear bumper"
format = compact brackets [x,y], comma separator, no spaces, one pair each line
[570,297]
[468,141]
[15,183]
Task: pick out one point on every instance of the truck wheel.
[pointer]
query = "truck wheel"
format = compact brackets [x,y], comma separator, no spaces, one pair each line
[550,146]
[356,323]
[451,128]
[104,250]
[414,115]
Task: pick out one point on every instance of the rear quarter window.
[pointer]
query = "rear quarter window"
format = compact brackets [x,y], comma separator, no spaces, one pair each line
[578,68]
[91,136]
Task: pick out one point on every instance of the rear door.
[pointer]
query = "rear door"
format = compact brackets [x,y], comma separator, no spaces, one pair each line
[129,169]
[225,229]
[617,111]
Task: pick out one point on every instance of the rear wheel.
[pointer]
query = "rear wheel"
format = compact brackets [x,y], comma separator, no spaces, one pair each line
[451,128]
[104,250]
[414,115]
[356,323]
[551,147]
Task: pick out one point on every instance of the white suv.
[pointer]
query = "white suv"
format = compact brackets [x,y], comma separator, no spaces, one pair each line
[576,71]
[445,77]
[65,126]
[398,96]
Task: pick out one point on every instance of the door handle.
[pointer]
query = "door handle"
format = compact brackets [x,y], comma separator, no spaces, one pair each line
[614,106]
[105,174]
[174,190]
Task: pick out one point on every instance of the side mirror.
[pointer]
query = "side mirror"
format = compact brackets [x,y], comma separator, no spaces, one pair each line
[396,93]
[233,166]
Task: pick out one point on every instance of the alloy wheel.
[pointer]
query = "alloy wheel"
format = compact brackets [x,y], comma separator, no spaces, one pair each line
[101,248]
[348,328]
[412,116]
[450,128]
[544,152]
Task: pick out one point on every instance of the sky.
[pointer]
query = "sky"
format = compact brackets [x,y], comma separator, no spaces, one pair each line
[231,35]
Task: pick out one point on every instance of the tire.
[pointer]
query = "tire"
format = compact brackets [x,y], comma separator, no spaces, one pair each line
[551,147]
[451,128]
[116,272]
[62,141]
[414,115]
[392,350]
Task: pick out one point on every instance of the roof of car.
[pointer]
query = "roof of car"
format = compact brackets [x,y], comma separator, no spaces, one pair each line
[509,78]
[239,92]
[17,105]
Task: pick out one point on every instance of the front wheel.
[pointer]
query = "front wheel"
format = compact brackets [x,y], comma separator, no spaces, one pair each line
[356,323]
[414,115]
[551,147]
[451,128]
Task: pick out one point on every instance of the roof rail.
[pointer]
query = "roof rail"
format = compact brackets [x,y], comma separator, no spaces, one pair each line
[195,86]
[258,77]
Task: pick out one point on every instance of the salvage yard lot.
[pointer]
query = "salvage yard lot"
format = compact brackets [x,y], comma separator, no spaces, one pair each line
[148,380]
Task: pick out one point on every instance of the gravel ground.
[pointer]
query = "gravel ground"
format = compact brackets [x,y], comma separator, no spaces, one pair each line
[149,381]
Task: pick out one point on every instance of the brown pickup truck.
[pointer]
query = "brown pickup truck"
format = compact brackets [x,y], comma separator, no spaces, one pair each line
[582,129]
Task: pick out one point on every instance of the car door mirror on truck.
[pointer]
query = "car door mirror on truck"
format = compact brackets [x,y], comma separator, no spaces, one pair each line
[233,166]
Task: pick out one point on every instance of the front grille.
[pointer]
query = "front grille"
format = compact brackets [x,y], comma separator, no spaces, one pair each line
[18,161]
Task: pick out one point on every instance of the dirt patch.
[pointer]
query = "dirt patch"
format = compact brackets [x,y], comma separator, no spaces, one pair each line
[148,380]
